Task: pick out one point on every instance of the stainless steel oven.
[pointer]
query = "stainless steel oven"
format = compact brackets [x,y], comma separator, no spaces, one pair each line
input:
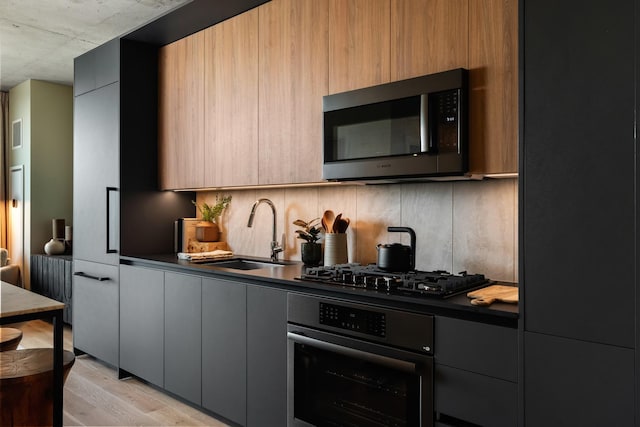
[352,364]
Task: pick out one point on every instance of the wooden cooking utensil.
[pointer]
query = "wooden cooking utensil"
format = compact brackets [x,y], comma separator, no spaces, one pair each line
[336,223]
[328,219]
[341,225]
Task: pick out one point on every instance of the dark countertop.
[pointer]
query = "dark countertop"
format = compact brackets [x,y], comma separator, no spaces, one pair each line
[286,277]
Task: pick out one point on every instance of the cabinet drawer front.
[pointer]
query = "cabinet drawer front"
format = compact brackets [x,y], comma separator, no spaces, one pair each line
[95,310]
[142,323]
[477,347]
[224,348]
[475,398]
[183,336]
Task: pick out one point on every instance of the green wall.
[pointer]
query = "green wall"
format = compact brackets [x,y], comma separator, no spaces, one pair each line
[46,110]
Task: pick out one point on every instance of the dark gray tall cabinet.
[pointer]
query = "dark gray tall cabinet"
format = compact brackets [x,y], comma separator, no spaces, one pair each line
[96,202]
[578,212]
[118,209]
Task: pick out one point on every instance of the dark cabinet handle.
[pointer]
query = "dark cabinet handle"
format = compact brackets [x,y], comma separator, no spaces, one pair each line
[89,276]
[109,190]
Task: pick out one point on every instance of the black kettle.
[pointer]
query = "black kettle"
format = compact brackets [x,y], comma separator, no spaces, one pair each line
[395,256]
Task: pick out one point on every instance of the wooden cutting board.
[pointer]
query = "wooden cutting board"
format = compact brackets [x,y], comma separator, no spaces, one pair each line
[493,293]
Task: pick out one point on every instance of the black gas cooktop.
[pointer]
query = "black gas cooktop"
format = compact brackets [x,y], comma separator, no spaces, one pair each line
[437,284]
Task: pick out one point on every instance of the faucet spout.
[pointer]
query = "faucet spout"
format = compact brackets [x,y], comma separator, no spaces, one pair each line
[276,248]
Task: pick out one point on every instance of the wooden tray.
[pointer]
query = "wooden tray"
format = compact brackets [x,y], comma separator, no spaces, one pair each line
[493,293]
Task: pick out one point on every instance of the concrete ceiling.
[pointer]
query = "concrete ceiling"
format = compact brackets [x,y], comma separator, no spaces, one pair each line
[40,38]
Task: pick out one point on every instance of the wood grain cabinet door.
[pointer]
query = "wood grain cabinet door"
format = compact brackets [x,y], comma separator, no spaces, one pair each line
[293,48]
[493,86]
[428,36]
[358,54]
[231,102]
[181,113]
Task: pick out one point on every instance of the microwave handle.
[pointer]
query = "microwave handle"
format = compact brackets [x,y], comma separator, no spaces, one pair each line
[426,145]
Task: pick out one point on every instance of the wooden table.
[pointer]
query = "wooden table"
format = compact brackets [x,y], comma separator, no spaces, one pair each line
[20,305]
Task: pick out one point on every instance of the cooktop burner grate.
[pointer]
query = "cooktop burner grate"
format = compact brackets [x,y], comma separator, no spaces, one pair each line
[437,283]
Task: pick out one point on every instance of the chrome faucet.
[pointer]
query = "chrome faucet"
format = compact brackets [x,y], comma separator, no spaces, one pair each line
[276,247]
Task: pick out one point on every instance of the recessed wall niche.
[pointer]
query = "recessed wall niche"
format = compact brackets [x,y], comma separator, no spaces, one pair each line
[16,133]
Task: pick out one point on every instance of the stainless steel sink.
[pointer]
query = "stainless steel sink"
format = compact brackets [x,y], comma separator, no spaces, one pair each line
[243,264]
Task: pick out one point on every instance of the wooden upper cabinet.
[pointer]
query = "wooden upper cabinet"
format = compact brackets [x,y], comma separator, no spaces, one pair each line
[359,37]
[181,113]
[231,102]
[240,103]
[493,85]
[293,49]
[428,36]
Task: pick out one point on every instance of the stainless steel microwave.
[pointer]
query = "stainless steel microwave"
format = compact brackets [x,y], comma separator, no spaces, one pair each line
[408,129]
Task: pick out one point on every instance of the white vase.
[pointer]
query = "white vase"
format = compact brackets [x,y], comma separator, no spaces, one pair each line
[54,247]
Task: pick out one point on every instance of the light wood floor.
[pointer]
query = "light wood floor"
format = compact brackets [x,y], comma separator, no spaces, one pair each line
[93,395]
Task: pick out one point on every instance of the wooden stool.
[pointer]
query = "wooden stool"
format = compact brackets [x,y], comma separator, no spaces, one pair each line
[9,338]
[26,386]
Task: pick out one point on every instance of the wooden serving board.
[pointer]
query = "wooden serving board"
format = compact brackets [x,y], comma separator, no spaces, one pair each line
[194,245]
[493,293]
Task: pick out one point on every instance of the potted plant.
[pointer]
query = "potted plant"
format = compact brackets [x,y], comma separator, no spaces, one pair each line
[309,232]
[208,230]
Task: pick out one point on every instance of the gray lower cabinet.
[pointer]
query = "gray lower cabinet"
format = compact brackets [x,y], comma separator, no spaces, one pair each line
[266,357]
[142,323]
[95,314]
[476,373]
[217,343]
[183,335]
[576,383]
[224,348]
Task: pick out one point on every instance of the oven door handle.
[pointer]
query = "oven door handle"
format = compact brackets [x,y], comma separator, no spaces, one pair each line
[399,365]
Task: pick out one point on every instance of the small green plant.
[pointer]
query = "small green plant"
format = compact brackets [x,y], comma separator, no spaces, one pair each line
[211,213]
[310,230]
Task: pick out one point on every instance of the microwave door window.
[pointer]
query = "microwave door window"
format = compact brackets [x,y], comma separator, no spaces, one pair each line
[393,128]
[363,140]
[405,135]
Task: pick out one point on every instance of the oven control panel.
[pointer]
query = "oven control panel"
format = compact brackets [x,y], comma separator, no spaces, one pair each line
[364,321]
[373,323]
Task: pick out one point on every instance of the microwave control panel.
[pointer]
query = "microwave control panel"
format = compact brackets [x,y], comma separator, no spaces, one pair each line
[445,117]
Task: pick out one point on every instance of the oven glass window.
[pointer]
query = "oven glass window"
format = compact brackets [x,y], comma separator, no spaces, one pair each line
[336,390]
